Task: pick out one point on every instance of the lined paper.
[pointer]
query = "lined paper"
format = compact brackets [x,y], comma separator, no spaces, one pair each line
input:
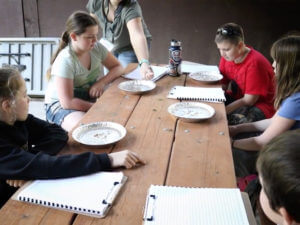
[196,206]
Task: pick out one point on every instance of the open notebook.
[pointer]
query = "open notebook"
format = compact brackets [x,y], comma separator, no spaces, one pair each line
[166,205]
[91,195]
[197,94]
[158,71]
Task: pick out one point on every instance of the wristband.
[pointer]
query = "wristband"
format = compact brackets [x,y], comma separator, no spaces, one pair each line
[144,61]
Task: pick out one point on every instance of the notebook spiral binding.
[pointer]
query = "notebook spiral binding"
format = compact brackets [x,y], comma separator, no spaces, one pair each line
[200,99]
[56,205]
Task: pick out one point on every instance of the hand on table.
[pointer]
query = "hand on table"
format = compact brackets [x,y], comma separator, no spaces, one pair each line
[97,89]
[125,158]
[146,71]
[16,183]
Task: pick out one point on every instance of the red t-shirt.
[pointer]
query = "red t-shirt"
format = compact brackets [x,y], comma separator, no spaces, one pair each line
[254,76]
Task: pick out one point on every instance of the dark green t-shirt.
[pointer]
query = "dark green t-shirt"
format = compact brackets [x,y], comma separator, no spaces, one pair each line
[116,32]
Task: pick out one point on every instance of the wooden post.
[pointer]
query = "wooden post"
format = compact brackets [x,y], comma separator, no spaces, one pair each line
[31,18]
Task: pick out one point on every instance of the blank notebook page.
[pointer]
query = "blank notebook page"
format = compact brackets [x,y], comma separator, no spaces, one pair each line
[81,192]
[196,206]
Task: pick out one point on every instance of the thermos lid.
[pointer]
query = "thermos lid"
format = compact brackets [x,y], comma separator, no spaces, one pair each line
[175,43]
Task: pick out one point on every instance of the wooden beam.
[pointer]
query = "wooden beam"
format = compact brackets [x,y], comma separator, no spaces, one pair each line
[31,18]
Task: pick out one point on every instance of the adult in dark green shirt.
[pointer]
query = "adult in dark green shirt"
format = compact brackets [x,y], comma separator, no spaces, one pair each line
[123,25]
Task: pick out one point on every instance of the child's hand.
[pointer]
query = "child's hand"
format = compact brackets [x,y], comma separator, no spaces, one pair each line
[125,158]
[16,183]
[97,89]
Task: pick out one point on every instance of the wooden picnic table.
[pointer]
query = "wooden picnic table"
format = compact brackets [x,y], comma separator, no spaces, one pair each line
[177,153]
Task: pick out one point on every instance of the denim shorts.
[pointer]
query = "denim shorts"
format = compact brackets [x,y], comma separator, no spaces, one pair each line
[129,56]
[55,113]
[126,57]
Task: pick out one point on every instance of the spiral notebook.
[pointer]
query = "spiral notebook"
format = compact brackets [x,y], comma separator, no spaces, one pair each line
[166,205]
[91,195]
[197,94]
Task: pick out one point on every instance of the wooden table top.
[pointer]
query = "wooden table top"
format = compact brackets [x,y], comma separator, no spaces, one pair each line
[177,153]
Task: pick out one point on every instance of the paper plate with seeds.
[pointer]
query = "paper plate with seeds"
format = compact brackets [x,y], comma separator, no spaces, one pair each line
[99,133]
[206,76]
[191,111]
[137,86]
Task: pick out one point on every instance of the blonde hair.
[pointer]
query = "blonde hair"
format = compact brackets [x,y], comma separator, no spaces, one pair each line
[76,23]
[286,53]
[10,83]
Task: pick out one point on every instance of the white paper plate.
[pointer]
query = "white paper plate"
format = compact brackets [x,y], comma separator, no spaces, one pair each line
[99,133]
[191,111]
[137,86]
[206,76]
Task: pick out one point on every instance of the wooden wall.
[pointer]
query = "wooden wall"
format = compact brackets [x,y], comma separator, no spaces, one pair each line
[11,17]
[194,22]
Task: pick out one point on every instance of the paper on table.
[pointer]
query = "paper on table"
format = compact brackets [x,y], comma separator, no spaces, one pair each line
[168,205]
[197,94]
[158,71]
[91,194]
[190,67]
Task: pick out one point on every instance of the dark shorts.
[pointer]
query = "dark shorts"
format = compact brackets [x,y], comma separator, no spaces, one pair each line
[244,161]
[245,114]
[55,113]
[245,166]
